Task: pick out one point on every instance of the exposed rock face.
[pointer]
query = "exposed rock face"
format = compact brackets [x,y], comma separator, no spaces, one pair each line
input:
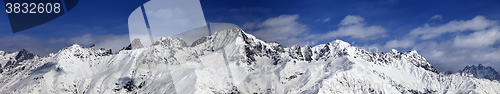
[136,44]
[480,71]
[19,57]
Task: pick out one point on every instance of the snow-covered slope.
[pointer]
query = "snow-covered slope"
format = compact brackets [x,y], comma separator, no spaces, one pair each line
[231,61]
[480,71]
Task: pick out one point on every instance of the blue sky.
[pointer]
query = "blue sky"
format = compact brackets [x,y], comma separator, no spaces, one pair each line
[449,33]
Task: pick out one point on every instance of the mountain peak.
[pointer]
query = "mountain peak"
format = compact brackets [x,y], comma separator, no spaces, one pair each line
[135,44]
[24,50]
[341,43]
[414,51]
[394,51]
[24,55]
[14,59]
[75,46]
[2,53]
[480,71]
[171,42]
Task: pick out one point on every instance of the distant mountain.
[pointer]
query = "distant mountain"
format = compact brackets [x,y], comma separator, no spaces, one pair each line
[232,61]
[480,71]
[135,44]
[11,60]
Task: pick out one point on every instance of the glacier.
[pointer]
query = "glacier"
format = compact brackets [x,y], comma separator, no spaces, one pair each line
[230,61]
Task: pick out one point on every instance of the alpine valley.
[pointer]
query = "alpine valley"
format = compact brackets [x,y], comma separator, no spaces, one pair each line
[232,61]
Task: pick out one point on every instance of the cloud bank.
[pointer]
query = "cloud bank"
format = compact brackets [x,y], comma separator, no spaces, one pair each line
[286,30]
[473,41]
[44,47]
[448,46]
[283,29]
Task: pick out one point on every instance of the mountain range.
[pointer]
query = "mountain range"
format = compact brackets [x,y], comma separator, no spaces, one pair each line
[232,61]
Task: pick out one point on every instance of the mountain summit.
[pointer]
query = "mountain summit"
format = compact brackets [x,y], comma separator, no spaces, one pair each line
[232,61]
[136,44]
[480,71]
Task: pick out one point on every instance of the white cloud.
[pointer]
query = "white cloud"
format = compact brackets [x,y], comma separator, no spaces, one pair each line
[477,47]
[113,42]
[473,48]
[283,29]
[286,30]
[358,31]
[399,43]
[352,20]
[436,17]
[489,57]
[445,54]
[18,42]
[478,39]
[436,53]
[326,20]
[249,25]
[475,24]
[354,27]
[167,13]
[444,57]
[166,18]
[44,47]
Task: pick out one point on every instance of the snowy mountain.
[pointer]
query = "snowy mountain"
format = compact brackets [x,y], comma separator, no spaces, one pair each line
[135,44]
[480,71]
[230,61]
[10,60]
